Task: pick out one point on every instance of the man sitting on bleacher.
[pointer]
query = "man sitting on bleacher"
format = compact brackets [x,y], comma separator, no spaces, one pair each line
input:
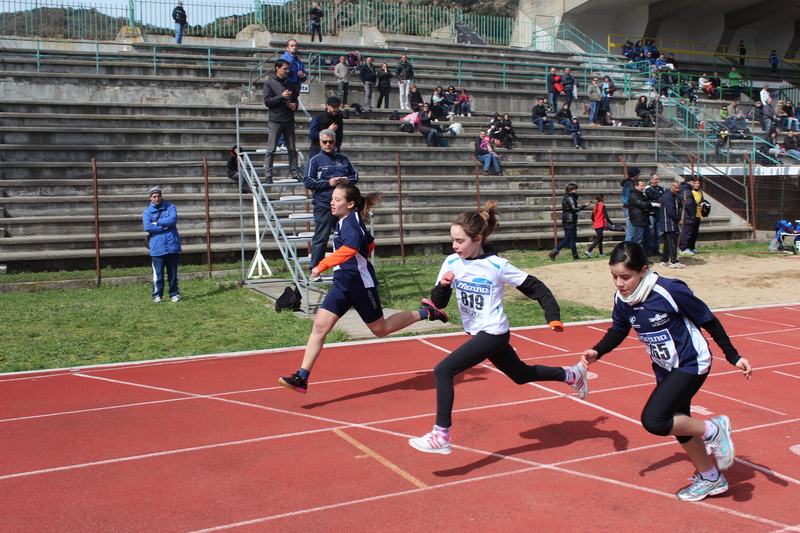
[324,172]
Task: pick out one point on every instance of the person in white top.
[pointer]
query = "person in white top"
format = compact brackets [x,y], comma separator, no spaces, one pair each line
[479,277]
[764,94]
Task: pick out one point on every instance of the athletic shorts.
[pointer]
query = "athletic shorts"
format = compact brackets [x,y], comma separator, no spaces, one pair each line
[366,302]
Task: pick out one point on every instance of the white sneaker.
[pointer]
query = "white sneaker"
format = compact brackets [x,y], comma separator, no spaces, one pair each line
[677,265]
[176,298]
[581,384]
[433,442]
[686,252]
[665,264]
[588,254]
[156,299]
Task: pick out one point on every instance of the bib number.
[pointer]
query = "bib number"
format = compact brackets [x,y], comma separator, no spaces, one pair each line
[661,348]
[473,305]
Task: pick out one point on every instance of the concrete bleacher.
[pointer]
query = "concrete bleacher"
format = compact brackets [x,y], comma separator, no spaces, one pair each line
[139,141]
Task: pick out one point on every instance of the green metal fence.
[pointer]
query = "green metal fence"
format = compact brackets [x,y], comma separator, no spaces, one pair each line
[60,20]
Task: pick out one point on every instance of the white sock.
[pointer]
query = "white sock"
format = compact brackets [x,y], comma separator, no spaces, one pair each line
[711,475]
[711,430]
[443,431]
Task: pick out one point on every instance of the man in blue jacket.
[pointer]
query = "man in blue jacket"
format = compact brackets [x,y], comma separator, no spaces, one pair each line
[324,172]
[297,69]
[160,220]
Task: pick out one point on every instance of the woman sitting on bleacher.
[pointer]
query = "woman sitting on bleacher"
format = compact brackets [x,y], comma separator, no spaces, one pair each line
[415,98]
[564,116]
[466,109]
[643,113]
[428,130]
[451,98]
[507,133]
[439,104]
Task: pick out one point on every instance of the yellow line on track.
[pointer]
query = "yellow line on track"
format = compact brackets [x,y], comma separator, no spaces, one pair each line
[388,464]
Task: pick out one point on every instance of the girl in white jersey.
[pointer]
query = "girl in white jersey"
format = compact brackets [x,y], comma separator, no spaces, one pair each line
[666,316]
[354,283]
[479,277]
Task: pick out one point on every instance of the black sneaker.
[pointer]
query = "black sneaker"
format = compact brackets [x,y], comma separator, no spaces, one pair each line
[433,312]
[295,383]
[552,255]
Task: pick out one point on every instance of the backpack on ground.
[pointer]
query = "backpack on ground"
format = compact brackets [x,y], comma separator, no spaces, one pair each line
[406,127]
[289,300]
[395,115]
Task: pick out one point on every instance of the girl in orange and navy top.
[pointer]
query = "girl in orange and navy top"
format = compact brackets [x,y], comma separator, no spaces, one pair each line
[600,222]
[354,282]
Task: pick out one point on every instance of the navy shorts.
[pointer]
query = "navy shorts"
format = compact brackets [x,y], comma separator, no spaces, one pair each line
[366,302]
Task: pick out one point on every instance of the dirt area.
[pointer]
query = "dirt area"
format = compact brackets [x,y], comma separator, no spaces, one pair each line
[721,281]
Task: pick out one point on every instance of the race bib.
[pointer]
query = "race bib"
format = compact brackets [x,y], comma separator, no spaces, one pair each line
[474,299]
[661,348]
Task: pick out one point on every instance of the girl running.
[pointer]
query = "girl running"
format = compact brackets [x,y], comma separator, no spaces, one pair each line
[479,277]
[667,318]
[354,282]
[600,222]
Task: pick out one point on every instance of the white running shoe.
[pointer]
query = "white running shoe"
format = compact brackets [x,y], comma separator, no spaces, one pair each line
[721,444]
[157,299]
[588,253]
[581,384]
[677,265]
[665,264]
[700,488]
[433,442]
[686,252]
[176,298]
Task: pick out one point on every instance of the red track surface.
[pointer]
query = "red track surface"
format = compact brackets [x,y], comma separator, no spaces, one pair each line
[214,444]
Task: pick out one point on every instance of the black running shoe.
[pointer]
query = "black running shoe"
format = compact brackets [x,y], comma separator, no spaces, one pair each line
[295,383]
[433,312]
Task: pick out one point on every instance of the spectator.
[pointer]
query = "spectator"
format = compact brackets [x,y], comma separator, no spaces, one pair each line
[324,172]
[280,97]
[354,60]
[652,194]
[790,119]
[179,16]
[791,145]
[656,109]
[297,69]
[608,93]
[627,185]
[429,131]
[414,99]
[627,51]
[439,104]
[764,94]
[715,85]
[368,77]
[639,213]
[539,117]
[554,87]
[160,220]
[464,102]
[600,221]
[784,117]
[595,99]
[742,53]
[451,99]
[643,112]
[689,192]
[564,116]
[384,86]
[233,170]
[315,15]
[733,83]
[507,134]
[769,116]
[574,129]
[671,61]
[704,82]
[330,119]
[638,50]
[342,73]
[484,153]
[569,219]
[736,119]
[773,60]
[670,222]
[495,125]
[405,73]
[773,147]
[570,84]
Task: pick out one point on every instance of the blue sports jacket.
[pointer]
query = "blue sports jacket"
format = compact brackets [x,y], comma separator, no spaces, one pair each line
[164,238]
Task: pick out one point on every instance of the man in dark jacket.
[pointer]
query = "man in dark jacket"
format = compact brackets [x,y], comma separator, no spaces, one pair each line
[280,96]
[569,219]
[179,16]
[688,210]
[368,78]
[670,221]
[653,194]
[315,15]
[627,185]
[639,213]
[404,73]
[330,119]
[539,117]
[569,83]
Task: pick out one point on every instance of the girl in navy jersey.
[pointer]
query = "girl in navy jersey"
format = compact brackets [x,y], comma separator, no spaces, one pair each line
[354,282]
[667,318]
[479,277]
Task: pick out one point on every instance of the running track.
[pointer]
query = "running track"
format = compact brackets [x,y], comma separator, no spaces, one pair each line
[212,443]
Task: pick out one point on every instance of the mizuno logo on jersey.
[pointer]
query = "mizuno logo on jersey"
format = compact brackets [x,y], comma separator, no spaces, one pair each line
[475,288]
[654,338]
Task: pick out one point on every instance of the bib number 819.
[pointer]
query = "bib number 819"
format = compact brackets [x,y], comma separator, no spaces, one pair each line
[472,300]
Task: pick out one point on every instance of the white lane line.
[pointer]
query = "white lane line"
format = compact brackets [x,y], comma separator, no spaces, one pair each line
[761,320]
[537,342]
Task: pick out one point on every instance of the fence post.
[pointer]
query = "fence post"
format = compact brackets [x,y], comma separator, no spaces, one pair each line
[400,207]
[131,17]
[208,218]
[553,192]
[96,223]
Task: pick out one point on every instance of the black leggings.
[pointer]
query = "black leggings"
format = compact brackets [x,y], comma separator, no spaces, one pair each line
[473,352]
[384,97]
[598,240]
[673,395]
